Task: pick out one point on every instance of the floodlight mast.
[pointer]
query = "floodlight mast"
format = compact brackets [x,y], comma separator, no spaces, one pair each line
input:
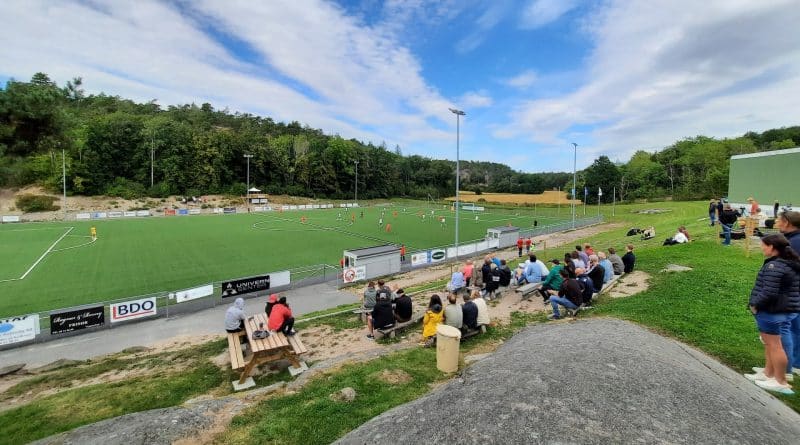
[458,114]
[574,180]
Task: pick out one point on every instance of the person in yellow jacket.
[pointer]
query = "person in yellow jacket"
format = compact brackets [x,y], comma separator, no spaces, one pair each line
[433,317]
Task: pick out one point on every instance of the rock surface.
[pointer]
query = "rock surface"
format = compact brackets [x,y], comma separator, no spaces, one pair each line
[595,381]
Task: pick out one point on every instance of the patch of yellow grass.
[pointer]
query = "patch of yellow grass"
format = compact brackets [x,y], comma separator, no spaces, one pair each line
[548,197]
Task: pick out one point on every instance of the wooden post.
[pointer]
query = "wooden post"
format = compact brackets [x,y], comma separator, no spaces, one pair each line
[749,229]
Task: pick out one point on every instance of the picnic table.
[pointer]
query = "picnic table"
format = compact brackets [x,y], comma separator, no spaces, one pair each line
[275,347]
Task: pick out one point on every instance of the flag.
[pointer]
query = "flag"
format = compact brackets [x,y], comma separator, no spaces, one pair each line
[599,191]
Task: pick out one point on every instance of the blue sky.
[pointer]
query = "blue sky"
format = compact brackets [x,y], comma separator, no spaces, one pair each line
[532,75]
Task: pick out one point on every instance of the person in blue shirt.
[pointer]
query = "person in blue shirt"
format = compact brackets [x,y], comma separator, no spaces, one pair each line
[607,267]
[532,272]
[457,282]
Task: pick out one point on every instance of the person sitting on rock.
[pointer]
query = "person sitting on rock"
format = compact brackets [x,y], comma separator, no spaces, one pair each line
[280,318]
[568,295]
[403,307]
[453,315]
[382,316]
[433,317]
[469,313]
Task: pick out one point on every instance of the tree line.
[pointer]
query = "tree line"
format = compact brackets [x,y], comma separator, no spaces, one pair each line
[117,147]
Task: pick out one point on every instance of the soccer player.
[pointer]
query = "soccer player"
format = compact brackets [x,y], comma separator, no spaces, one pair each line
[93,233]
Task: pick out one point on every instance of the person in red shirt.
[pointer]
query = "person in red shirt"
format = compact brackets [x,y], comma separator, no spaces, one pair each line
[402,252]
[528,245]
[519,245]
[467,271]
[280,319]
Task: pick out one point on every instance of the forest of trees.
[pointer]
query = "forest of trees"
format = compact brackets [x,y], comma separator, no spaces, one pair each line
[198,150]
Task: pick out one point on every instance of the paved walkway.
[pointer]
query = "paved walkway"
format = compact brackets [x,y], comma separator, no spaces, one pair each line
[209,321]
[595,381]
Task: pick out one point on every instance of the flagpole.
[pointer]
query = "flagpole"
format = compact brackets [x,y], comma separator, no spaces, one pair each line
[614,202]
[585,198]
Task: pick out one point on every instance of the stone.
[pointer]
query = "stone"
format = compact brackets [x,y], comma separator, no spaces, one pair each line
[675,268]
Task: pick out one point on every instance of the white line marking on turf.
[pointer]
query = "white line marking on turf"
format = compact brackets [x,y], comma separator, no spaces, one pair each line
[79,245]
[45,253]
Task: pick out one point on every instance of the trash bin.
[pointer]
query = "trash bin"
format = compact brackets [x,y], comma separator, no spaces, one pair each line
[448,339]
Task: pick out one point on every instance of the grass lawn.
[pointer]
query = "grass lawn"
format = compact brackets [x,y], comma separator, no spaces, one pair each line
[140,256]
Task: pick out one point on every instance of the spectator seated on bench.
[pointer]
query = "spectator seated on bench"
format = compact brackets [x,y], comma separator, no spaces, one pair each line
[608,268]
[587,287]
[596,272]
[453,314]
[457,282]
[234,317]
[382,316]
[532,273]
[403,307]
[469,311]
[570,295]
[433,317]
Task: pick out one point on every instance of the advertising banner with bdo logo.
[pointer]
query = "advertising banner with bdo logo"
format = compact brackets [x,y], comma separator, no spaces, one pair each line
[131,310]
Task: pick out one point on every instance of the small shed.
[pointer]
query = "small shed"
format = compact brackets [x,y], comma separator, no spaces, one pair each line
[506,236]
[376,261]
[254,196]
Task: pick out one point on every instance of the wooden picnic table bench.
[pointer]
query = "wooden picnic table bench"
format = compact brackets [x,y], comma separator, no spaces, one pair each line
[528,289]
[276,346]
[398,327]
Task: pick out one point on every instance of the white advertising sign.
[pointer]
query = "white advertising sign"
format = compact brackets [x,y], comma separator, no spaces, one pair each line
[10,218]
[194,293]
[451,252]
[130,213]
[466,249]
[483,245]
[131,310]
[142,213]
[18,329]
[419,258]
[353,274]
[194,211]
[115,214]
[282,278]
[83,216]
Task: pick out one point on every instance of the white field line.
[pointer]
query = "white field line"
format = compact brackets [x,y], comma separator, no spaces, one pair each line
[79,245]
[45,254]
[30,230]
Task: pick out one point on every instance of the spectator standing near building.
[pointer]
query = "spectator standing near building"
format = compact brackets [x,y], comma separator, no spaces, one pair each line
[453,315]
[234,316]
[616,261]
[712,212]
[402,252]
[754,209]
[528,245]
[281,319]
[775,208]
[519,246]
[775,301]
[727,219]
[788,223]
[629,259]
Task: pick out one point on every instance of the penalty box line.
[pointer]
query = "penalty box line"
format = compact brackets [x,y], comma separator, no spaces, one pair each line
[49,249]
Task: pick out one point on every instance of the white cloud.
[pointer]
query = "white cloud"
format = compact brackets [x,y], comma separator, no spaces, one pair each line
[488,19]
[542,12]
[475,99]
[522,80]
[651,81]
[320,67]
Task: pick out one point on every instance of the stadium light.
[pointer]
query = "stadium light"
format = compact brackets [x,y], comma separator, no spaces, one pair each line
[247,194]
[356,162]
[458,114]
[574,181]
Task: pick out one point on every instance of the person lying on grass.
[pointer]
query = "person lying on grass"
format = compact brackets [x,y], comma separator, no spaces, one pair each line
[775,302]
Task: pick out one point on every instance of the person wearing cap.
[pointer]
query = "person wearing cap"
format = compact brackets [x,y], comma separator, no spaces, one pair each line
[553,280]
[616,261]
[234,316]
[382,316]
[280,318]
[270,303]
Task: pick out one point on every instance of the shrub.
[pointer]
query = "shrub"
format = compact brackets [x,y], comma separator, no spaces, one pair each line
[125,189]
[36,203]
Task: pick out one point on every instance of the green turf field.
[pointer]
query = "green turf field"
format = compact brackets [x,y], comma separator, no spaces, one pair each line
[139,256]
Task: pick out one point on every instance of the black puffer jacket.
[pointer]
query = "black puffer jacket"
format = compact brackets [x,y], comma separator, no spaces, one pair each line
[777,287]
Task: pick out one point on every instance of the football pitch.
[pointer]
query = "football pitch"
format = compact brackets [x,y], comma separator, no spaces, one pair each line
[46,266]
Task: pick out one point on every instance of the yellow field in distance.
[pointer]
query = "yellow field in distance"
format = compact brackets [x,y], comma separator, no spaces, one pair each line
[548,197]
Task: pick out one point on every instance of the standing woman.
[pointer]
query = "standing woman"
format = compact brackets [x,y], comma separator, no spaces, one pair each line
[775,301]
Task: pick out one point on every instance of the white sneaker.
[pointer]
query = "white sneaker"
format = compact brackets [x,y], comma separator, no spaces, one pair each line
[789,376]
[758,376]
[773,385]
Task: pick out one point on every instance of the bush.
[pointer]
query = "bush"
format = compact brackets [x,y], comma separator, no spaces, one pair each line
[125,189]
[36,203]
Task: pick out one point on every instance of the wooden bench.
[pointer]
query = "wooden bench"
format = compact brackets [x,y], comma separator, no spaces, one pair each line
[473,332]
[399,327]
[235,349]
[297,345]
[528,289]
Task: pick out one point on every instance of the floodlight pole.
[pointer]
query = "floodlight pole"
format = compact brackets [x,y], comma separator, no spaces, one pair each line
[458,114]
[64,180]
[356,162]
[152,154]
[574,180]
[247,194]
